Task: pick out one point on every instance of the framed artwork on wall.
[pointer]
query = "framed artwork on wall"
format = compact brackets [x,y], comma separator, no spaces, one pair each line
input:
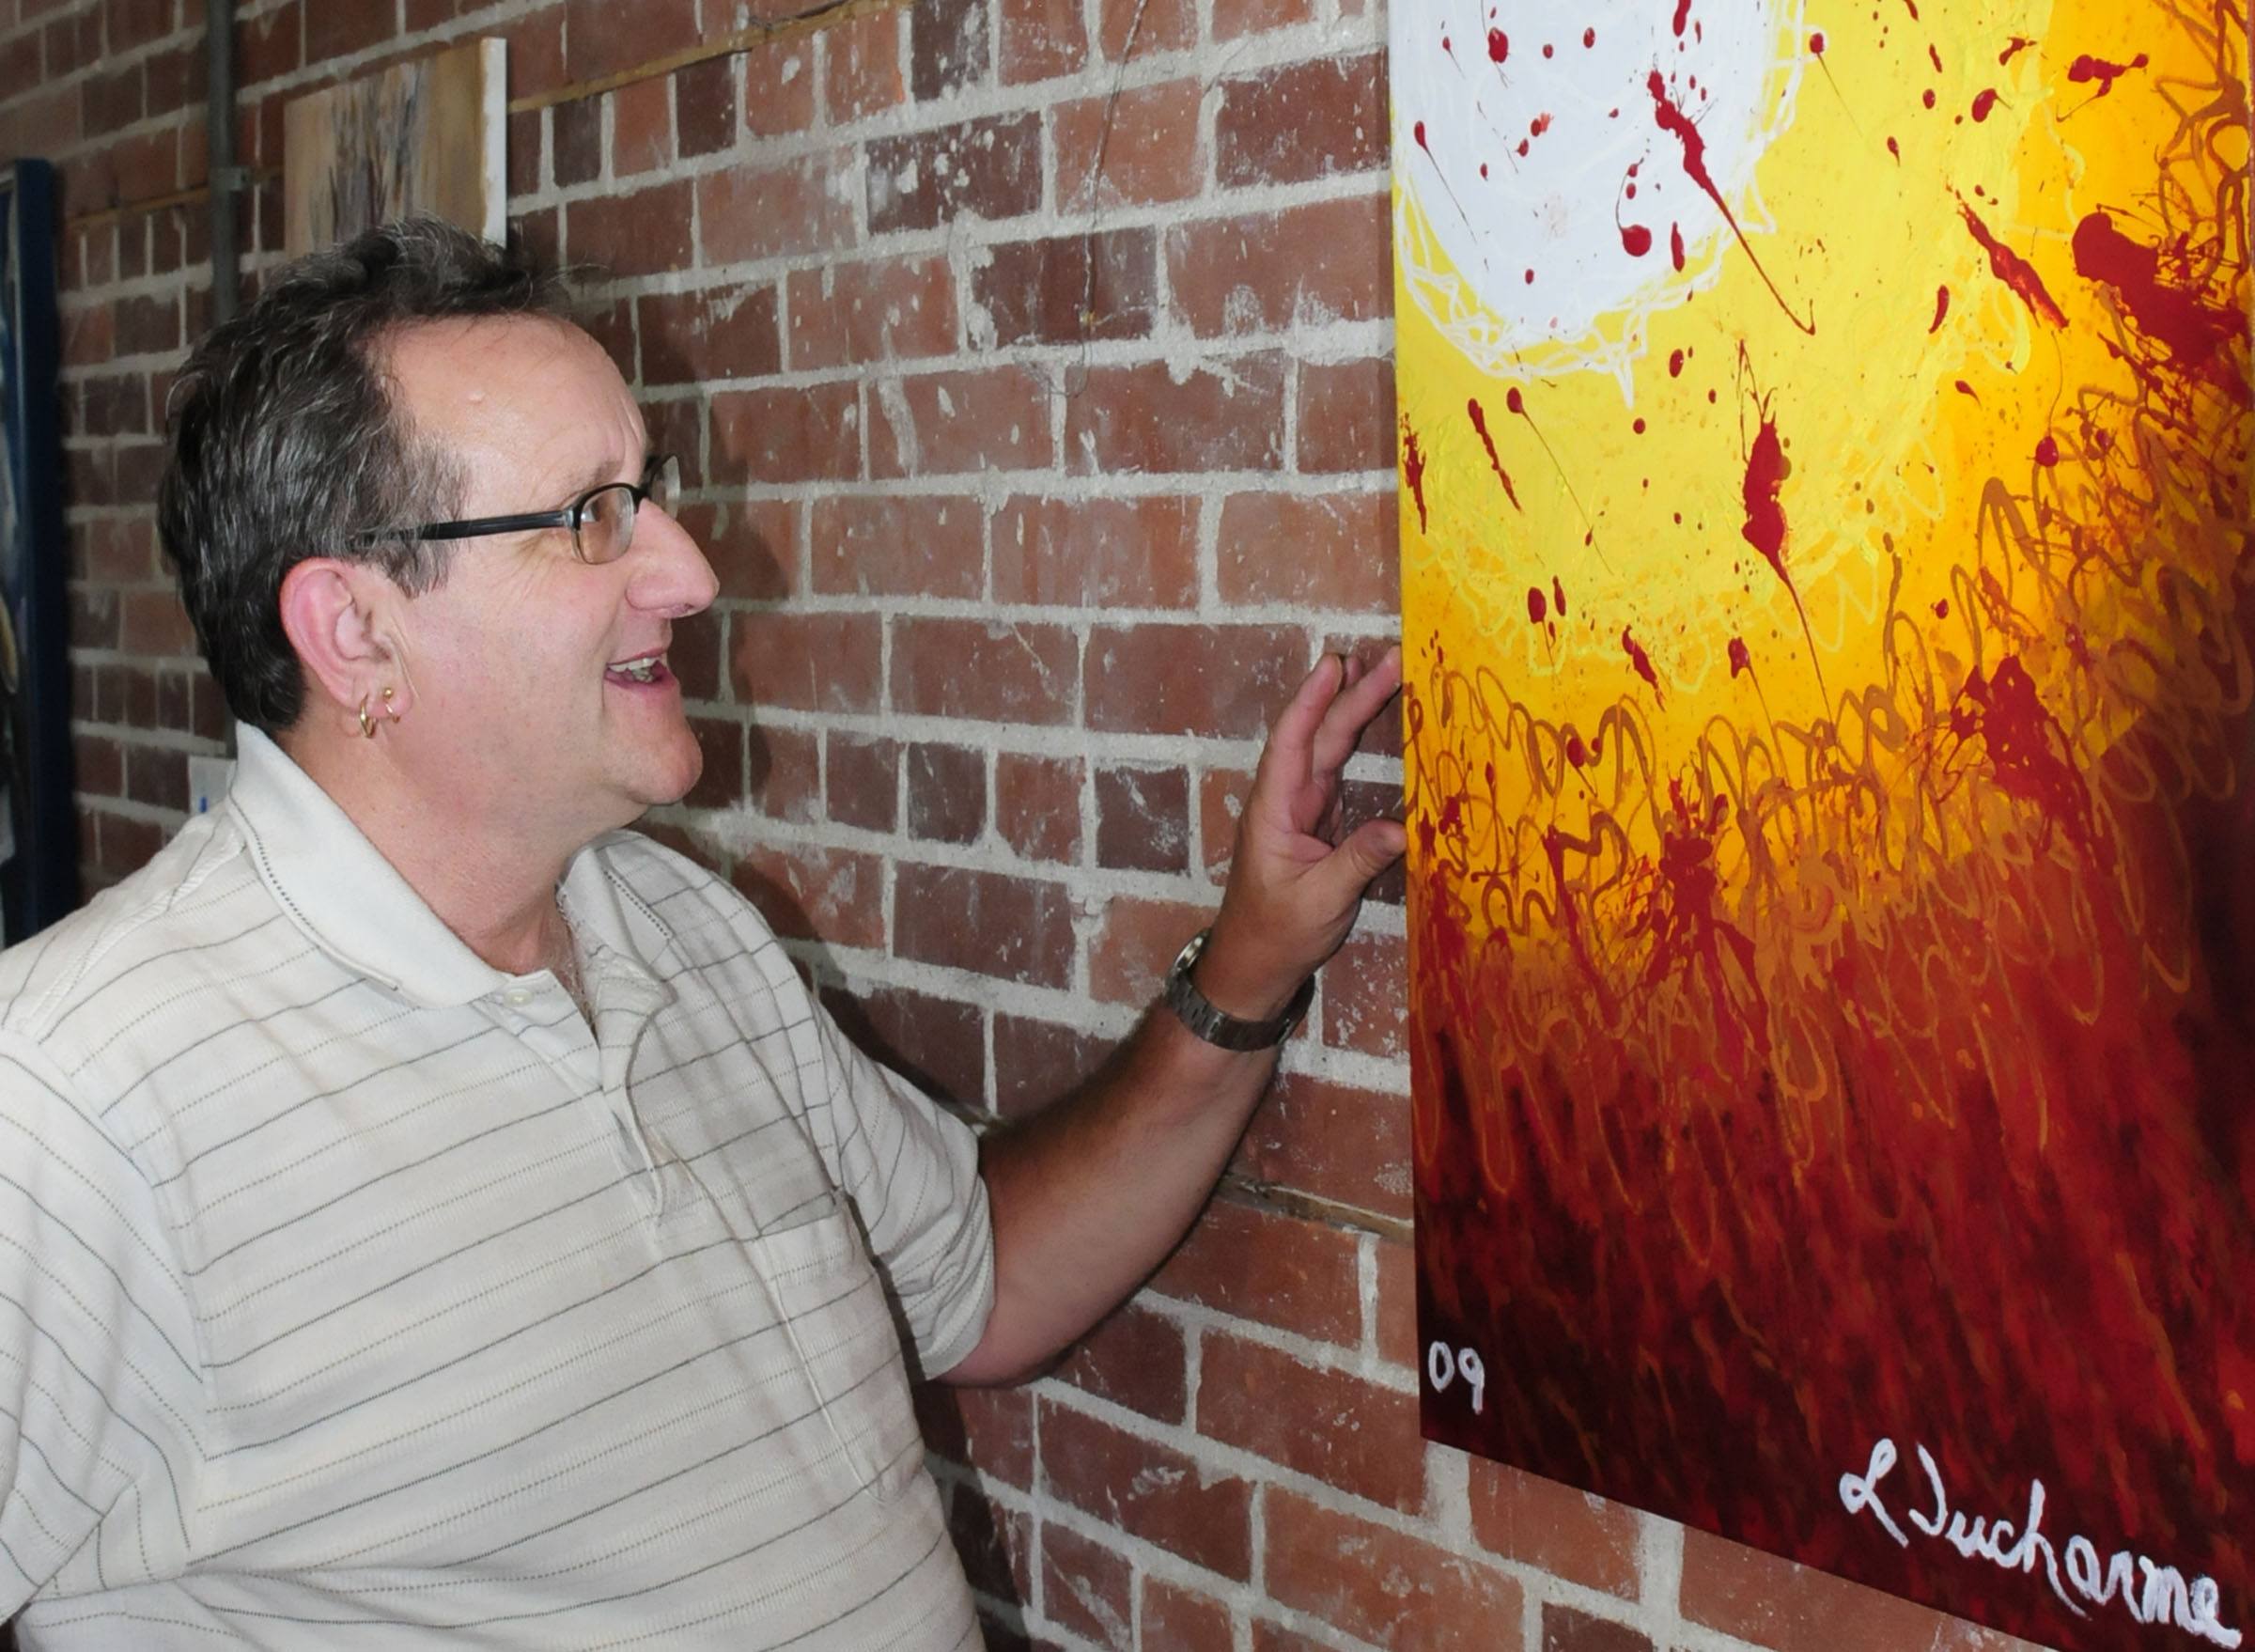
[39,832]
[1825,441]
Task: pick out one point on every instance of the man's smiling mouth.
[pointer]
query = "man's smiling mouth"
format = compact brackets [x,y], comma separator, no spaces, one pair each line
[643,669]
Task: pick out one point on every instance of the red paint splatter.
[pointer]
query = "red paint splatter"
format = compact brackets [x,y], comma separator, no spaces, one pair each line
[1549,49]
[1417,131]
[1413,468]
[1683,9]
[1816,43]
[1479,419]
[1941,609]
[1927,98]
[1577,753]
[1673,121]
[1514,402]
[2193,332]
[1934,57]
[1983,102]
[1558,596]
[1966,389]
[1638,426]
[1941,308]
[2047,451]
[1643,662]
[1765,471]
[1531,277]
[2087,67]
[1636,240]
[1895,149]
[1675,244]
[2012,48]
[1676,363]
[1912,6]
[1740,658]
[2024,752]
[1498,45]
[2013,271]
[1536,607]
[1589,38]
[1539,125]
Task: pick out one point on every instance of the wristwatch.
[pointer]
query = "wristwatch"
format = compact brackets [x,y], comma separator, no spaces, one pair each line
[1217,1026]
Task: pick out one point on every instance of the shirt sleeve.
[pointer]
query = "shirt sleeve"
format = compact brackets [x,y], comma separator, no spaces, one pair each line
[913,1171]
[99,1374]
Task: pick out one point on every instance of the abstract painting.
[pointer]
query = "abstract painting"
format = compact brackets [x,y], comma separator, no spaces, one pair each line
[427,135]
[1825,439]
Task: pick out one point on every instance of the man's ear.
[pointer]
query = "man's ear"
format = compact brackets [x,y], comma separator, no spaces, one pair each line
[336,615]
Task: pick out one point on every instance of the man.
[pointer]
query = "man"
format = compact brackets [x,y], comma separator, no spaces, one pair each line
[429,1211]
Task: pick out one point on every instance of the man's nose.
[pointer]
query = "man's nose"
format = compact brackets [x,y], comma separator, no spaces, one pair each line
[671,575]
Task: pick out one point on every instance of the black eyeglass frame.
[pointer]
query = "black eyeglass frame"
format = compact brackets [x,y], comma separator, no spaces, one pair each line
[568,516]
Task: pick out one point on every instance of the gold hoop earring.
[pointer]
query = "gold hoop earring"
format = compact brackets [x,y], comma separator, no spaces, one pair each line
[367,729]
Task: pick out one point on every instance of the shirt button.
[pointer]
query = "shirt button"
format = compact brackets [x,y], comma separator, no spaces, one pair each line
[518,997]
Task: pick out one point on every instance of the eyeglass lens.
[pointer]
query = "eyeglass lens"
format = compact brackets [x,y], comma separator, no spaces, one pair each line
[605,528]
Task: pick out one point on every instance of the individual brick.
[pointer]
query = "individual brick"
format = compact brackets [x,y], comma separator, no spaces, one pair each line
[752,545]
[861,781]
[1300,121]
[1140,417]
[331,31]
[948,47]
[799,433]
[1144,818]
[1132,29]
[1331,1426]
[781,209]
[642,126]
[1165,1496]
[1347,413]
[997,671]
[1104,554]
[148,324]
[1393,1326]
[1136,942]
[986,169]
[874,310]
[1773,1603]
[1567,1533]
[782,772]
[1280,1270]
[602,37]
[1334,1141]
[810,892]
[1235,18]
[890,546]
[714,333]
[804,661]
[937,1044]
[1070,288]
[951,423]
[946,792]
[639,234]
[1038,805]
[779,87]
[864,68]
[1566,1630]
[1340,551]
[1184,1619]
[1038,1063]
[1401,1591]
[1264,272]
[1133,1358]
[158,776]
[1166,678]
[1086,1587]
[1041,40]
[707,106]
[989,923]
[1136,147]
[1366,995]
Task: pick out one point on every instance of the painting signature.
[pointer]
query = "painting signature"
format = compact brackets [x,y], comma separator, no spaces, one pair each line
[2149,1593]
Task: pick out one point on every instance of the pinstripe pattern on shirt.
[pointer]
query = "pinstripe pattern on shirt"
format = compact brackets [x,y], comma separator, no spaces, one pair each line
[347,1282]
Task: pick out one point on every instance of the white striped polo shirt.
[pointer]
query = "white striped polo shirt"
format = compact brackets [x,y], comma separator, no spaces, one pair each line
[355,1294]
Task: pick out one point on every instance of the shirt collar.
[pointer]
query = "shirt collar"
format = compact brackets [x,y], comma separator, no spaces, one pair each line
[336,886]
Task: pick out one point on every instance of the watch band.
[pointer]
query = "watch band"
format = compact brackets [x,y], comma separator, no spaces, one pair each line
[1218,1026]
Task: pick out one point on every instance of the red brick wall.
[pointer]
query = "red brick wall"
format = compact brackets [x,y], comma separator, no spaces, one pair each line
[1029,363]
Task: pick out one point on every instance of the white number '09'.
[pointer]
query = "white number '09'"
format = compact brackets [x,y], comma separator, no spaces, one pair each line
[1444,1365]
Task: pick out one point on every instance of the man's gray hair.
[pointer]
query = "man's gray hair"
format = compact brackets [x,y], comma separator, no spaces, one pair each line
[286,443]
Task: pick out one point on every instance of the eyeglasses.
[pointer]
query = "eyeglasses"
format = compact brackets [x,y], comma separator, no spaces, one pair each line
[601,520]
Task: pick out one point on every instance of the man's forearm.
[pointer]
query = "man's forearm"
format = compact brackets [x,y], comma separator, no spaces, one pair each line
[1089,1196]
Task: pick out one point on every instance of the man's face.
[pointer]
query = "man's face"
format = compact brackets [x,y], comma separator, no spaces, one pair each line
[522,714]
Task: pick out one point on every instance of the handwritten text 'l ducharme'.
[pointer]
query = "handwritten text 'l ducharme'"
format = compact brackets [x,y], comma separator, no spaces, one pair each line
[2150,1594]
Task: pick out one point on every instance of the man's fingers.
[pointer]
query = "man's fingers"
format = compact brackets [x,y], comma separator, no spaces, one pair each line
[1292,738]
[1350,711]
[1361,855]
